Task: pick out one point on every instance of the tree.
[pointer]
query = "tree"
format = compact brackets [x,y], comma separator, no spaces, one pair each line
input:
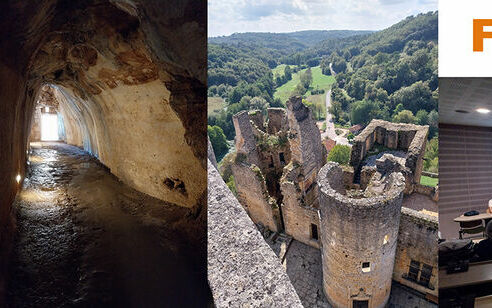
[433,121]
[340,154]
[422,117]
[299,90]
[218,140]
[258,103]
[405,116]
[415,97]
[431,155]
[362,112]
[232,185]
[356,88]
[306,78]
[277,102]
[336,110]
[287,73]
[325,66]
[398,108]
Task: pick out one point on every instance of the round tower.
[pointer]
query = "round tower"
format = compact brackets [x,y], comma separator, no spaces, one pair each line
[359,232]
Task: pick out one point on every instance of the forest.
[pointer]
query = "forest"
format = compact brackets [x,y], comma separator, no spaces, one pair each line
[390,74]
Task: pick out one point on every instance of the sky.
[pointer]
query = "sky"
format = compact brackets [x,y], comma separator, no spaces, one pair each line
[230,16]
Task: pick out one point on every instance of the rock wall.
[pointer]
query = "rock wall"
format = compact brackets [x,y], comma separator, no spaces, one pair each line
[137,89]
[417,240]
[243,271]
[35,134]
[359,238]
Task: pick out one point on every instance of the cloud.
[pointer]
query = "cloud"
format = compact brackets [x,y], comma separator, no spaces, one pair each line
[256,11]
[229,16]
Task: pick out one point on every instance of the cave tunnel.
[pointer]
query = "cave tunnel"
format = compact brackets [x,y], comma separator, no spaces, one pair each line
[103,153]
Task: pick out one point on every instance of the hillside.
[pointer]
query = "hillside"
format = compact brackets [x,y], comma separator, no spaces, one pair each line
[390,74]
[288,42]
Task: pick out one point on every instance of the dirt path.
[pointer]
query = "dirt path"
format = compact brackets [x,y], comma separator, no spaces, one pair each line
[330,131]
[84,239]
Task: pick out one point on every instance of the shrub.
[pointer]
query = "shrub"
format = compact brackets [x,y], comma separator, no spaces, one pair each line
[340,154]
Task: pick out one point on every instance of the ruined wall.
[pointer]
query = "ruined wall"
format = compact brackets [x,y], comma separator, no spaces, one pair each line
[297,217]
[259,163]
[356,231]
[243,271]
[277,120]
[253,195]
[305,141]
[245,139]
[417,240]
[398,136]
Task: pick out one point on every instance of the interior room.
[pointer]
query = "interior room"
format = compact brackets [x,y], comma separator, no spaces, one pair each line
[465,186]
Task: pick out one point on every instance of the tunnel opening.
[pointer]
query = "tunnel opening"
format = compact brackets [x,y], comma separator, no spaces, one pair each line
[49,127]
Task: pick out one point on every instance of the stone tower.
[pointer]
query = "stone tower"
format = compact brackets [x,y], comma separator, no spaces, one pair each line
[305,141]
[359,234]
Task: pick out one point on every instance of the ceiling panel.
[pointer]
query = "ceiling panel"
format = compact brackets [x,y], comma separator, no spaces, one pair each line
[465,94]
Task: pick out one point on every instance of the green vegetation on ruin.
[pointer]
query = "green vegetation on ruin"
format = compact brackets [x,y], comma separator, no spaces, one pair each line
[428,181]
[340,154]
[269,142]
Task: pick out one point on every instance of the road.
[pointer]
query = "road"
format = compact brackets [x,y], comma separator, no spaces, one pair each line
[330,126]
[332,71]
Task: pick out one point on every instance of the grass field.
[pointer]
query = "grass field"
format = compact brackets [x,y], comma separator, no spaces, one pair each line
[320,81]
[214,105]
[279,70]
[319,101]
[428,181]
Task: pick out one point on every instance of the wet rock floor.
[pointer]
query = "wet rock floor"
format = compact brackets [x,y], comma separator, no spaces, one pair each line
[84,239]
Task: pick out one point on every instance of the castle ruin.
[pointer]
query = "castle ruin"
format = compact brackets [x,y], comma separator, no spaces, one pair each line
[366,217]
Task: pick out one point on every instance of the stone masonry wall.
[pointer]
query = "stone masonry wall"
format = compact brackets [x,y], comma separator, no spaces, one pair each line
[417,240]
[297,217]
[359,238]
[277,120]
[305,141]
[408,137]
[243,271]
[245,139]
[253,195]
